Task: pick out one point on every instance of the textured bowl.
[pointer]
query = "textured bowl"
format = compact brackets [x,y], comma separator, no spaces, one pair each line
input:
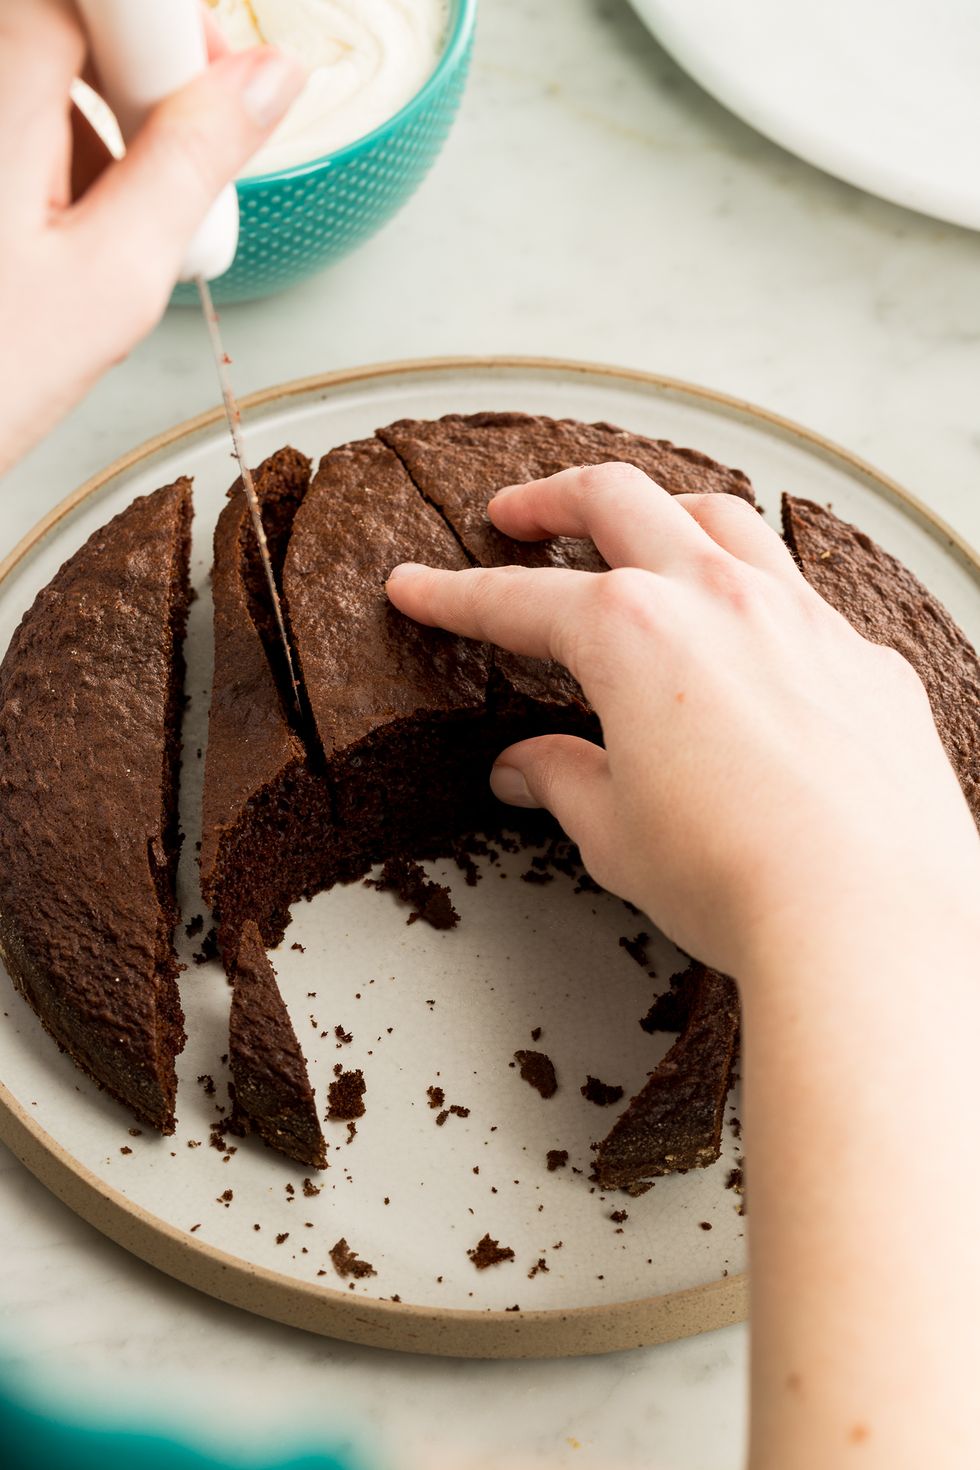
[298,220]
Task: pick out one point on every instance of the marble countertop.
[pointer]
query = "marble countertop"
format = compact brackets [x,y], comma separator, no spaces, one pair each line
[592,203]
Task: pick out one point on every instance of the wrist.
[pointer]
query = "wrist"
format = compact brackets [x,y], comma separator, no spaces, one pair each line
[861,924]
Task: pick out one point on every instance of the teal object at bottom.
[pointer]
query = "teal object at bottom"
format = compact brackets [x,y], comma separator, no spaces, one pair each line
[296,222]
[30,1442]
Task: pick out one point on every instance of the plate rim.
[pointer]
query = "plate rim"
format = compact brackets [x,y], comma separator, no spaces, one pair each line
[457,1332]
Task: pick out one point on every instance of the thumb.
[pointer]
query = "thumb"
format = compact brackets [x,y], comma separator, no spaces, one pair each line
[139,217]
[570,778]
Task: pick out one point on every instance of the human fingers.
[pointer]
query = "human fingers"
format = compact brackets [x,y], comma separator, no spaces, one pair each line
[631,519]
[570,778]
[214,36]
[740,530]
[41,51]
[134,223]
[529,610]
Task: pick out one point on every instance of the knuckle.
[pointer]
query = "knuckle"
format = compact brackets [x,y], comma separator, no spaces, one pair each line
[624,597]
[600,479]
[482,595]
[546,764]
[727,579]
[896,668]
[724,508]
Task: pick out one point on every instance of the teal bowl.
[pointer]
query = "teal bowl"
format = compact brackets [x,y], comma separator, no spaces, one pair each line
[298,220]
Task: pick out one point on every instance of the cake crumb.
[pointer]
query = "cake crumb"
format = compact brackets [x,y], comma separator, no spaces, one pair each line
[557,1159]
[310,1189]
[619,1216]
[346,1262]
[436,1096]
[636,948]
[603,1094]
[343,1037]
[209,948]
[536,1034]
[300,948]
[489,1252]
[345,1096]
[705,1224]
[539,1266]
[538,1070]
[430,901]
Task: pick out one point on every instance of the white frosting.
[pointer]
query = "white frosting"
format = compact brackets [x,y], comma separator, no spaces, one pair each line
[366,58]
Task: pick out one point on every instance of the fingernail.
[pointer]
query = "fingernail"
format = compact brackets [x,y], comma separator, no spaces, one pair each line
[403,570]
[508,784]
[273,83]
[504,490]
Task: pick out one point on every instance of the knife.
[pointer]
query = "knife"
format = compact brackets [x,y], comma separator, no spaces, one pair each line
[143,50]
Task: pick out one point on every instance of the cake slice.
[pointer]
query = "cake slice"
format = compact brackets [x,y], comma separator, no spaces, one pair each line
[91,692]
[675,1120]
[458,462]
[399,709]
[267,814]
[272,1092]
[887,604]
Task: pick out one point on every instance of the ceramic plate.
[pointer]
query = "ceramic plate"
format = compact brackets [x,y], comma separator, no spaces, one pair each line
[884,96]
[425,1008]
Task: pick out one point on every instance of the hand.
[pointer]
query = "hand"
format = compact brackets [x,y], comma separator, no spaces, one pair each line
[89,248]
[763,763]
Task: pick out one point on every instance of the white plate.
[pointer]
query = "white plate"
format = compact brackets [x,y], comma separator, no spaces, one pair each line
[459,1004]
[884,95]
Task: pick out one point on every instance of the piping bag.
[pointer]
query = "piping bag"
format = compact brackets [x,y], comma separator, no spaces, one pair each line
[143,50]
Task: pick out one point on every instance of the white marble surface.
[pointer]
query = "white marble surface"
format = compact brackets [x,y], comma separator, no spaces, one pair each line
[591,203]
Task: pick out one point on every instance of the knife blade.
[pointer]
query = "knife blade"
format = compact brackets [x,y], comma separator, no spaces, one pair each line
[234,420]
[144,50]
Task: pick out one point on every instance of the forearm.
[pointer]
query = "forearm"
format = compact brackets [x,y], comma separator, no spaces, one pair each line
[860,1039]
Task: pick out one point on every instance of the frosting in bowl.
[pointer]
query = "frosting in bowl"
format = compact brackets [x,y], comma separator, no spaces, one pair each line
[366,59]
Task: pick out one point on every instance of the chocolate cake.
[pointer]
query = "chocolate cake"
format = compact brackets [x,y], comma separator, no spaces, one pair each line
[91,692]
[386,761]
[675,1120]
[887,604]
[399,710]
[265,809]
[404,721]
[458,462]
[272,1094]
